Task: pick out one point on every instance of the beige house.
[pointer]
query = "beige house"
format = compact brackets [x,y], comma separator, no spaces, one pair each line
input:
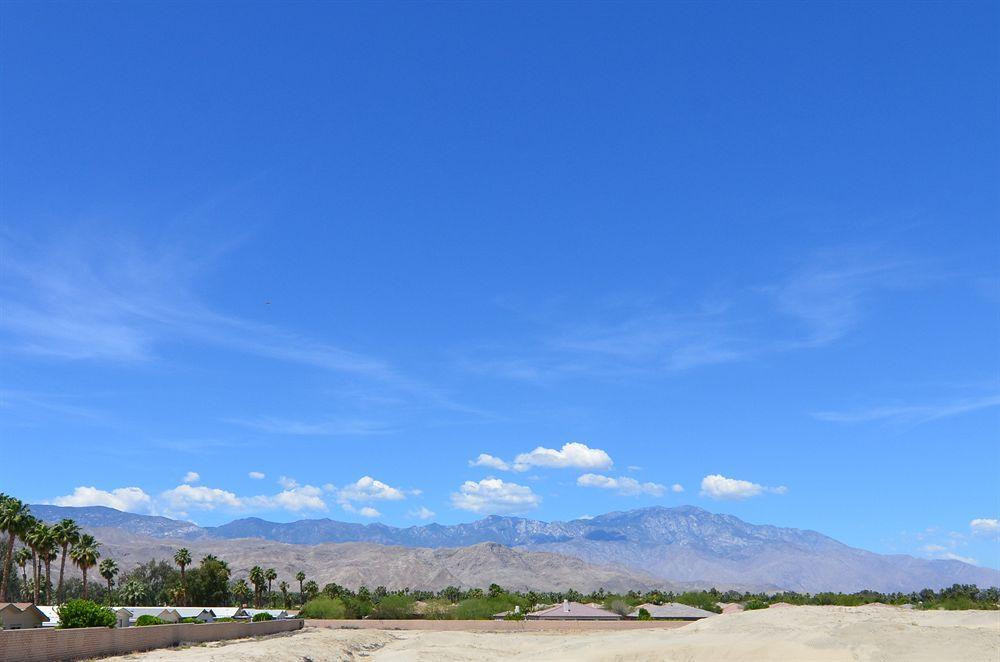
[21,616]
[573,611]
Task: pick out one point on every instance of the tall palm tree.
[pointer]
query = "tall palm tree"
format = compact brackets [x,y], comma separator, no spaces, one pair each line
[182,558]
[108,570]
[67,533]
[45,542]
[257,579]
[21,558]
[34,537]
[301,576]
[241,591]
[85,554]
[13,516]
[283,587]
[270,575]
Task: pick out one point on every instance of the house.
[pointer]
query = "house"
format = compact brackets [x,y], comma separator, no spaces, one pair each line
[163,613]
[573,611]
[205,614]
[672,611]
[52,615]
[123,617]
[238,613]
[502,616]
[21,616]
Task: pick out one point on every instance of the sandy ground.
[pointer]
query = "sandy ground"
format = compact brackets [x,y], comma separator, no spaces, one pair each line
[821,634]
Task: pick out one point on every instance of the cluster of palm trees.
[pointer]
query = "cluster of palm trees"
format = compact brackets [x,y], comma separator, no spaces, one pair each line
[43,544]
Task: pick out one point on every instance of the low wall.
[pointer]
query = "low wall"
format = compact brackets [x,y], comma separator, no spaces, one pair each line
[492,626]
[45,644]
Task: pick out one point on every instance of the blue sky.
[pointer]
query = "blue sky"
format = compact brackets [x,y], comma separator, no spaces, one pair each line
[385,261]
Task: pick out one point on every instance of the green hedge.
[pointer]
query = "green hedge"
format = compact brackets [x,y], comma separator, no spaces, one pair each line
[262,616]
[85,614]
[147,619]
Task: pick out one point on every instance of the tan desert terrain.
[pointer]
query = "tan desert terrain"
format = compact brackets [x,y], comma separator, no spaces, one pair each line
[806,634]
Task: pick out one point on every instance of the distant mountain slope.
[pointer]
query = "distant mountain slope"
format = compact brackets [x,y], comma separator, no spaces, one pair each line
[372,565]
[683,544]
[101,516]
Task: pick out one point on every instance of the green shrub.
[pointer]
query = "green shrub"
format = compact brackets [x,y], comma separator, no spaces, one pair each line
[644,614]
[85,614]
[191,619]
[262,616]
[756,603]
[394,606]
[323,607]
[481,608]
[147,619]
[225,619]
[701,600]
[514,616]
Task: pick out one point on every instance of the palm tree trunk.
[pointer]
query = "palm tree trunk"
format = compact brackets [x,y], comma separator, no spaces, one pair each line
[84,582]
[48,581]
[62,569]
[34,568]
[6,566]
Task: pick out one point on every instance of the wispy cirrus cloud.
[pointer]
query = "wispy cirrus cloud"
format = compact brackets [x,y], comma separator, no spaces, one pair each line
[911,413]
[622,485]
[95,296]
[814,305]
[348,427]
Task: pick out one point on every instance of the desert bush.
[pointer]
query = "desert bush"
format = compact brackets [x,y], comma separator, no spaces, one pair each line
[394,606]
[756,603]
[147,619]
[191,619]
[225,619]
[323,607]
[644,614]
[262,616]
[481,608]
[618,606]
[85,614]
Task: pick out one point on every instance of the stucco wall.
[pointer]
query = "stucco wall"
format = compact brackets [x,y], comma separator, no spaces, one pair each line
[46,644]
[494,626]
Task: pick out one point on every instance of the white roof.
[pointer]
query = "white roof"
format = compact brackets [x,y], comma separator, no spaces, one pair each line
[145,611]
[192,612]
[227,612]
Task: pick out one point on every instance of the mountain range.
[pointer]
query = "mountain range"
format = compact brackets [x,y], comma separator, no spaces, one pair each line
[684,545]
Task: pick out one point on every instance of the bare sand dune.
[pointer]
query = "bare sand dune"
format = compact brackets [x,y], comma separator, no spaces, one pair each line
[820,634]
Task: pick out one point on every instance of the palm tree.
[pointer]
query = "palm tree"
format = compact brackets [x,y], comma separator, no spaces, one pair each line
[67,533]
[283,587]
[182,558]
[301,576]
[108,570]
[85,554]
[21,558]
[312,588]
[45,541]
[257,579]
[34,537]
[270,575]
[13,514]
[241,591]
[132,592]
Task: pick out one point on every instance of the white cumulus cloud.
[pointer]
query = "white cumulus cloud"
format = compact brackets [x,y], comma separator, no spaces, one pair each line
[491,461]
[573,455]
[129,499]
[492,495]
[257,475]
[191,477]
[982,525]
[186,497]
[369,489]
[677,487]
[719,487]
[622,485]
